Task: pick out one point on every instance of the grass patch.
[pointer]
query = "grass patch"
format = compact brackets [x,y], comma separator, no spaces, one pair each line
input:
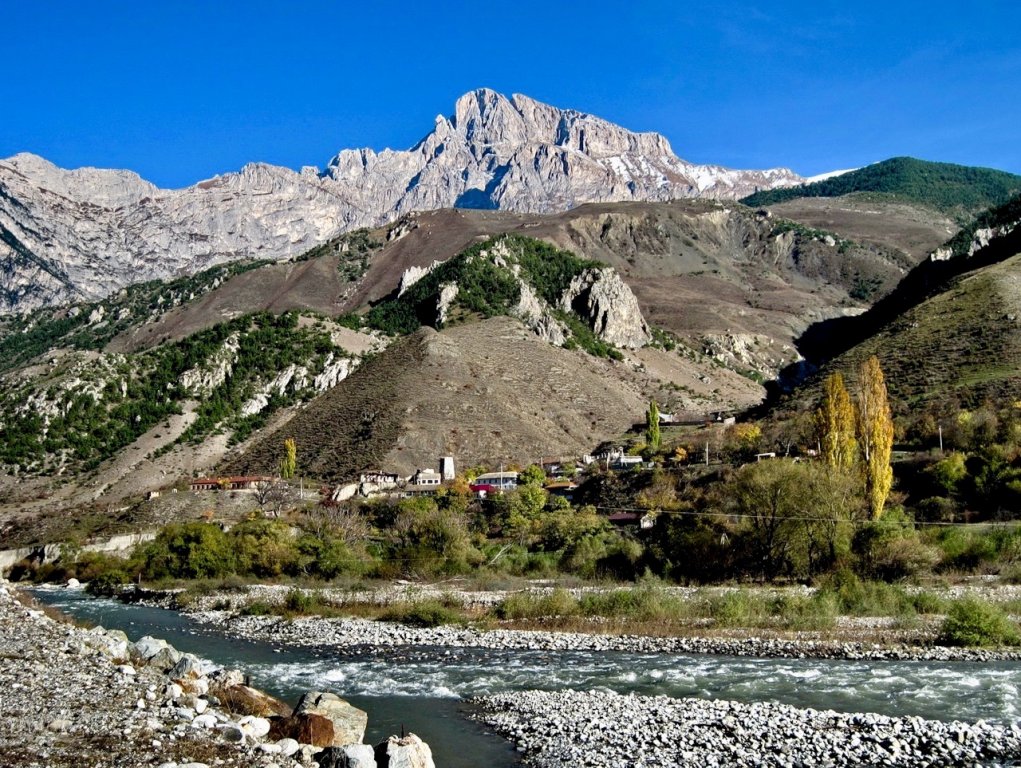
[424,613]
[526,605]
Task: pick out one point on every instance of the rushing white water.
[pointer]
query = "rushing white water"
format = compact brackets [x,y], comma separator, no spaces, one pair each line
[949,691]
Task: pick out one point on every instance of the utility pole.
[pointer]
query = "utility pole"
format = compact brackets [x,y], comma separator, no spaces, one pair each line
[941,438]
[707,453]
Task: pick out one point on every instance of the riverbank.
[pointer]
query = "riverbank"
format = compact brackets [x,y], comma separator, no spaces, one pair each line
[583,724]
[596,729]
[71,697]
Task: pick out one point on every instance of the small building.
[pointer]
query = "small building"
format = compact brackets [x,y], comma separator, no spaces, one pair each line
[413,490]
[494,482]
[425,477]
[379,478]
[626,462]
[233,483]
[564,489]
[447,468]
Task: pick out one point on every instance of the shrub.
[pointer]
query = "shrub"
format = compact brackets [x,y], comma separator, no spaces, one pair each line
[424,613]
[1011,574]
[736,609]
[964,550]
[257,608]
[303,602]
[818,611]
[642,604]
[975,623]
[189,551]
[890,548]
[107,584]
[855,597]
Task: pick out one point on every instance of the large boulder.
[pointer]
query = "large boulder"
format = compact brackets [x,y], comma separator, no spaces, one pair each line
[304,728]
[404,752]
[244,700]
[349,756]
[189,667]
[348,721]
[155,653]
[113,643]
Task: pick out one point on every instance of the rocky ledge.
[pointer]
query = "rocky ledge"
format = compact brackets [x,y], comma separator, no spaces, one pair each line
[72,697]
[594,729]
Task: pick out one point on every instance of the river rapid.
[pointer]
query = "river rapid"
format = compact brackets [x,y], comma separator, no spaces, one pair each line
[421,688]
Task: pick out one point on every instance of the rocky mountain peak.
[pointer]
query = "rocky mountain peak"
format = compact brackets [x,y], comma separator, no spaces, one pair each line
[83,234]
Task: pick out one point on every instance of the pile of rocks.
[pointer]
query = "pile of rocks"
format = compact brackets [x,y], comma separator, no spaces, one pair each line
[571,728]
[73,697]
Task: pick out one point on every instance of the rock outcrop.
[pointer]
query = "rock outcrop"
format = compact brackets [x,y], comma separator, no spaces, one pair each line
[81,235]
[404,752]
[537,315]
[601,297]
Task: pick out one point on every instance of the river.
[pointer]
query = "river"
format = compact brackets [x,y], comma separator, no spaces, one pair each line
[421,689]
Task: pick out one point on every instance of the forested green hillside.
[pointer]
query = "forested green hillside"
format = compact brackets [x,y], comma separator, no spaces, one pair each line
[944,186]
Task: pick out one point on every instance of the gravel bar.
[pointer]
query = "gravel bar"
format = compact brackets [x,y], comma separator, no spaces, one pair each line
[595,729]
[354,633]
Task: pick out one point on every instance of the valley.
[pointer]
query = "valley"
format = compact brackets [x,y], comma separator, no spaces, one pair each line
[537,386]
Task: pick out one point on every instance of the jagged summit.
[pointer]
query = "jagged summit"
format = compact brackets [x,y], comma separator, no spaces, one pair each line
[82,234]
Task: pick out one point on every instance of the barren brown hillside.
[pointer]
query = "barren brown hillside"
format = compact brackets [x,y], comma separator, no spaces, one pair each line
[739,285]
[487,392]
[911,228]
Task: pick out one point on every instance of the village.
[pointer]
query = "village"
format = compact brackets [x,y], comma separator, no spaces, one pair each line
[561,477]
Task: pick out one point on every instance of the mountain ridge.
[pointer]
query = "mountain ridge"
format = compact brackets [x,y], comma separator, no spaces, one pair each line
[73,235]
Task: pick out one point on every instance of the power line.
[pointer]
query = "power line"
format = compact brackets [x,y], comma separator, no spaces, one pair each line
[798,518]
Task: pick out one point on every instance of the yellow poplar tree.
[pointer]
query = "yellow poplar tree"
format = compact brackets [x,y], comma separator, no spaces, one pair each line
[835,423]
[875,434]
[289,464]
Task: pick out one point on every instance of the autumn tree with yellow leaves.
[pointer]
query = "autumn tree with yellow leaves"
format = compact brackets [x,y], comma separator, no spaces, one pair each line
[835,421]
[874,423]
[289,463]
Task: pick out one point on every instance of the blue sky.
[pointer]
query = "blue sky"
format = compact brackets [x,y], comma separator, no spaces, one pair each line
[182,90]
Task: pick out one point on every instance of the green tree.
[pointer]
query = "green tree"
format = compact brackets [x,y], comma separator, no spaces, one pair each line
[426,540]
[289,464]
[835,424]
[652,434]
[875,434]
[796,517]
[532,475]
[189,551]
[949,472]
[519,512]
